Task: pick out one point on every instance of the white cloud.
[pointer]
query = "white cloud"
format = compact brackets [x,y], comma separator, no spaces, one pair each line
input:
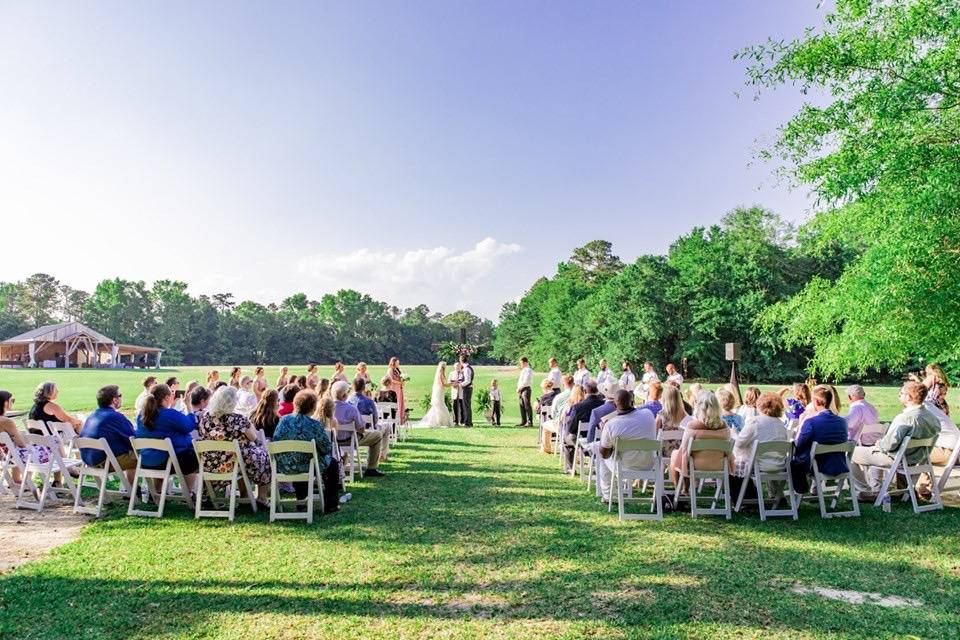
[439,277]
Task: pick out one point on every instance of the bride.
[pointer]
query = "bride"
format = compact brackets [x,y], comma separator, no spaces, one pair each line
[439,415]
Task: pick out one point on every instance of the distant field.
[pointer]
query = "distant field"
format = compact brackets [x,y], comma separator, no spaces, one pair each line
[78,386]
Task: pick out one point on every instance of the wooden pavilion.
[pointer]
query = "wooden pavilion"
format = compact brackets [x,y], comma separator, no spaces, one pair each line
[72,344]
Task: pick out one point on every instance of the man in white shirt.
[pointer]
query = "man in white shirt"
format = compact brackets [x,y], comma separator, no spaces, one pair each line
[649,377]
[523,391]
[627,423]
[673,375]
[604,375]
[466,387]
[555,375]
[861,414]
[148,384]
[582,375]
[628,380]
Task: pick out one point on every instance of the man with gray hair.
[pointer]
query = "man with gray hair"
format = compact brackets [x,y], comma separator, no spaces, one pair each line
[346,413]
[861,414]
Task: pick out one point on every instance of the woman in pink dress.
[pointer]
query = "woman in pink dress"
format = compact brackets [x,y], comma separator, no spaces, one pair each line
[396,383]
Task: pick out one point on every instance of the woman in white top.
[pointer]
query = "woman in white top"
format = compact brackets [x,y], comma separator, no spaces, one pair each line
[766,426]
[246,398]
[749,407]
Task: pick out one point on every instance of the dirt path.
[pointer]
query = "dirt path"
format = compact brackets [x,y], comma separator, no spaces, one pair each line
[27,535]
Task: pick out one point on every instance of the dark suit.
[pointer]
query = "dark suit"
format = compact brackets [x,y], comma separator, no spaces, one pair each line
[826,428]
[467,410]
[579,413]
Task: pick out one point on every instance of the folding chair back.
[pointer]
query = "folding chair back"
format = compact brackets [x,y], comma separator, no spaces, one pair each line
[721,477]
[166,476]
[350,452]
[311,477]
[760,478]
[100,475]
[46,471]
[205,479]
[583,428]
[386,412]
[950,441]
[831,486]
[912,473]
[873,432]
[66,434]
[38,426]
[666,437]
[623,478]
[10,463]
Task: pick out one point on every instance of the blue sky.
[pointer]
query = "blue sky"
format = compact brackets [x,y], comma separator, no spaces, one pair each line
[440,152]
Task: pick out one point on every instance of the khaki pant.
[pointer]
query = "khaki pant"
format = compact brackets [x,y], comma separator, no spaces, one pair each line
[939,456]
[865,478]
[374,440]
[549,431]
[384,442]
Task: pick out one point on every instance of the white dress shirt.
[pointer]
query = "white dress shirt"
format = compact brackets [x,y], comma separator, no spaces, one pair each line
[525,379]
[555,376]
[628,381]
[676,377]
[456,392]
[581,376]
[604,376]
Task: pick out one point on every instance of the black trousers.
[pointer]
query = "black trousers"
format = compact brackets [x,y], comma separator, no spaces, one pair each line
[330,478]
[496,412]
[467,410]
[526,409]
[458,411]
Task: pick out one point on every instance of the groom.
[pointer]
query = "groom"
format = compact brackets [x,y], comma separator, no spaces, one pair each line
[467,387]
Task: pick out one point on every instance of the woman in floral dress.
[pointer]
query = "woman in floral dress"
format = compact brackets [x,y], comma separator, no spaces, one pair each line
[220,422]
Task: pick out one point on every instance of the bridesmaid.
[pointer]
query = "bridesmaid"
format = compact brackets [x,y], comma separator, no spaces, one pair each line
[284,378]
[396,380]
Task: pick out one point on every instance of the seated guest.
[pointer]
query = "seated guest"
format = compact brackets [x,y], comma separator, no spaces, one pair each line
[706,425]
[246,398]
[386,394]
[265,416]
[46,410]
[824,427]
[797,404]
[367,407]
[174,384]
[861,414]
[301,426]
[301,382]
[8,426]
[579,412]
[654,393]
[345,413]
[286,405]
[628,423]
[939,455]
[672,417]
[561,399]
[198,400]
[766,426]
[148,383]
[160,420]
[915,421]
[183,405]
[609,389]
[107,422]
[222,422]
[690,397]
[547,397]
[727,404]
[937,384]
[749,407]
[557,409]
[323,388]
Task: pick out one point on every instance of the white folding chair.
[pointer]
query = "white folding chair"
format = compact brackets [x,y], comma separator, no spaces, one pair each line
[948,441]
[65,433]
[624,477]
[698,479]
[170,473]
[582,430]
[312,477]
[667,436]
[205,479]
[100,475]
[349,452]
[873,432]
[912,473]
[831,486]
[761,477]
[45,470]
[11,462]
[386,412]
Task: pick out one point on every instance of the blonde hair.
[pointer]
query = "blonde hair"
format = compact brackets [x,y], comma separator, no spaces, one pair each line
[324,412]
[576,396]
[726,399]
[706,409]
[673,411]
[693,392]
[751,396]
[937,373]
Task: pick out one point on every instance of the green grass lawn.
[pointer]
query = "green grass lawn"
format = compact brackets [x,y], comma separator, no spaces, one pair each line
[79,386]
[473,534]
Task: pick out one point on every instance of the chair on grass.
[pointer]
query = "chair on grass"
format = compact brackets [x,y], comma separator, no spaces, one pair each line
[698,479]
[205,479]
[831,486]
[349,452]
[761,477]
[667,436]
[870,434]
[623,479]
[46,471]
[952,442]
[170,473]
[912,473]
[11,461]
[385,416]
[582,430]
[100,475]
[312,477]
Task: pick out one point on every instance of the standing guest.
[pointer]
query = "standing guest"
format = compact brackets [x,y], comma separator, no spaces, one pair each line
[466,386]
[107,422]
[46,410]
[345,413]
[456,393]
[796,405]
[937,384]
[546,398]
[246,398]
[362,372]
[706,425]
[628,423]
[286,404]
[649,377]
[861,414]
[628,380]
[148,384]
[301,381]
[604,375]
[259,382]
[579,412]
[311,379]
[301,426]
[323,388]
[266,414]
[824,427]
[496,400]
[213,377]
[338,373]
[187,394]
[198,400]
[582,375]
[727,404]
[222,422]
[396,383]
[160,420]
[174,385]
[609,390]
[766,426]
[554,374]
[235,377]
[23,450]
[673,375]
[284,378]
[654,394]
[523,392]
[749,407]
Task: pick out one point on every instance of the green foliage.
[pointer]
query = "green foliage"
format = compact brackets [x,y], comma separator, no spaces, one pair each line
[482,400]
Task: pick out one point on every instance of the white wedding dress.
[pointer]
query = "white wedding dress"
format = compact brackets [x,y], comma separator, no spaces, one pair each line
[439,415]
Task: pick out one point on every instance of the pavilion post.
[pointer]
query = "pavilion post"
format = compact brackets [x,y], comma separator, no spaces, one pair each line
[33,353]
[114,355]
[159,353]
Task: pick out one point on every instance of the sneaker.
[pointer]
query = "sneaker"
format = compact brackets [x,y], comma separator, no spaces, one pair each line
[345,498]
[373,473]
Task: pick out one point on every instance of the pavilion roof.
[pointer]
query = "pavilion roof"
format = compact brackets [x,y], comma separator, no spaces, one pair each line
[57,333]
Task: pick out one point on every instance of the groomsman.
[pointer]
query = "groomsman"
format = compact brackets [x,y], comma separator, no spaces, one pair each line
[456,388]
[466,385]
[523,391]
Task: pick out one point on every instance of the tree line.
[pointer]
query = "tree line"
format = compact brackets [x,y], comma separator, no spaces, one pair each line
[347,325]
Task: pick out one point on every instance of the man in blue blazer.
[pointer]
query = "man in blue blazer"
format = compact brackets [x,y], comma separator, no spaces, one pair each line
[824,427]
